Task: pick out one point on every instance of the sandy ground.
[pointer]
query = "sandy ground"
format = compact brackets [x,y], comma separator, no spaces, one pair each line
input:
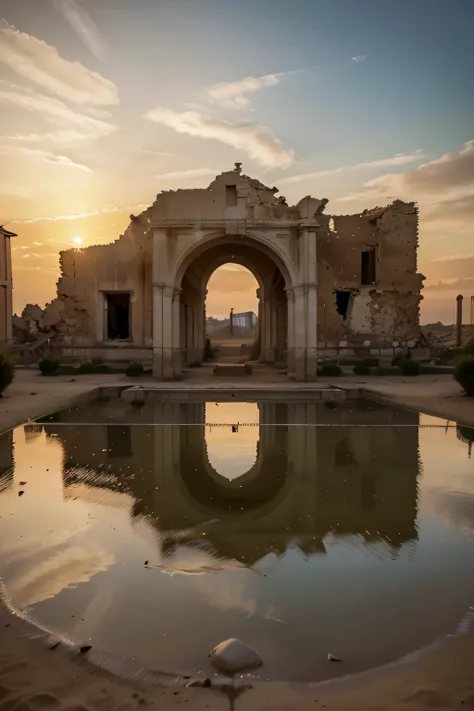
[35,677]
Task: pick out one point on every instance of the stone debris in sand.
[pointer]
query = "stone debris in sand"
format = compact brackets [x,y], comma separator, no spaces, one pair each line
[233,656]
[86,648]
[332,658]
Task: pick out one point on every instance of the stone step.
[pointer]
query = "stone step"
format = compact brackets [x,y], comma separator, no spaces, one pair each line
[231,371]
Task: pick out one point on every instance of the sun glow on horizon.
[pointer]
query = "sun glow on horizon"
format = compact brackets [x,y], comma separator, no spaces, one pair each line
[77,241]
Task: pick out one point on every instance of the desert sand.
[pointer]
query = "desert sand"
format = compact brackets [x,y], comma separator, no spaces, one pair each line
[36,674]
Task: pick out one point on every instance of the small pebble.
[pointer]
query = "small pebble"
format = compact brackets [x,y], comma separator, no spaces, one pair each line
[86,648]
[332,658]
[20,493]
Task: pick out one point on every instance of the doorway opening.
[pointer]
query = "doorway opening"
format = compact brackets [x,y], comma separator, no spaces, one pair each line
[117,305]
[231,311]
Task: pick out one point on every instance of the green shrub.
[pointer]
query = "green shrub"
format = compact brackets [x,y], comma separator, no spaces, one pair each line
[408,366]
[49,366]
[134,370]
[329,370]
[102,368]
[7,372]
[370,362]
[86,368]
[464,373]
[361,369]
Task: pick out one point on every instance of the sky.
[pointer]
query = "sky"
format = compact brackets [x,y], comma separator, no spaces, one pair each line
[104,103]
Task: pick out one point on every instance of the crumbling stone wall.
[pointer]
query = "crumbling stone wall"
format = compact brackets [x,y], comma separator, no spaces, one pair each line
[87,274]
[387,309]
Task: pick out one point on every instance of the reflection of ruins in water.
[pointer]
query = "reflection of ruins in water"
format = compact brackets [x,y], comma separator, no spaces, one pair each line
[306,481]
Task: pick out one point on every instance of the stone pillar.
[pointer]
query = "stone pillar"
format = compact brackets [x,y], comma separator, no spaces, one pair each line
[189,334]
[305,310]
[299,332]
[268,350]
[199,328]
[311,306]
[290,350]
[261,327]
[163,331]
[459,300]
[162,309]
[176,333]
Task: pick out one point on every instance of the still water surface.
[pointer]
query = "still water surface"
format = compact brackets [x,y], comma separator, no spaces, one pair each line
[304,532]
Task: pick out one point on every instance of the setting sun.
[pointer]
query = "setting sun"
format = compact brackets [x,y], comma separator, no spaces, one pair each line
[77,241]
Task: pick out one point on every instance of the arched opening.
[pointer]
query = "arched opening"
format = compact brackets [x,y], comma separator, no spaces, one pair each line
[232,314]
[273,335]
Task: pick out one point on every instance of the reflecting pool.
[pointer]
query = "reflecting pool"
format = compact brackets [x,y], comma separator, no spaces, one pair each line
[154,533]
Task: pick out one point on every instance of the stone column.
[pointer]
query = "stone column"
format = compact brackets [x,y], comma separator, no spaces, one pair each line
[162,331]
[268,350]
[311,306]
[299,332]
[199,328]
[162,309]
[176,333]
[189,334]
[261,326]
[290,351]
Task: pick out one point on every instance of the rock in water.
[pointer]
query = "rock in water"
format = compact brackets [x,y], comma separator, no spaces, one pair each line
[234,656]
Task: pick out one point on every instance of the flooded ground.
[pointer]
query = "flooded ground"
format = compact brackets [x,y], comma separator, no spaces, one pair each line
[154,533]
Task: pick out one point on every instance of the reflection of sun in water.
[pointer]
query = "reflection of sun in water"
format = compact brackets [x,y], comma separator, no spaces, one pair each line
[77,241]
[231,454]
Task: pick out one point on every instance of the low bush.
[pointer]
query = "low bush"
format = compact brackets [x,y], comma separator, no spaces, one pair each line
[86,368]
[370,362]
[7,372]
[329,370]
[397,359]
[464,373]
[49,366]
[361,369]
[134,370]
[408,366]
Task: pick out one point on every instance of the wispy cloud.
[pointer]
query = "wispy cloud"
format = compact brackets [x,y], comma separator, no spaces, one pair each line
[191,173]
[84,26]
[234,95]
[42,64]
[359,58]
[258,142]
[81,215]
[74,126]
[45,156]
[396,160]
[444,177]
[454,257]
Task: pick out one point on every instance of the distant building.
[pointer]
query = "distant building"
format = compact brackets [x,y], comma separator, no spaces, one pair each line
[246,320]
[6,309]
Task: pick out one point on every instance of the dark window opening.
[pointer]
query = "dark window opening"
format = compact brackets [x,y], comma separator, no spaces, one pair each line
[119,442]
[342,303]
[118,316]
[367,271]
[230,195]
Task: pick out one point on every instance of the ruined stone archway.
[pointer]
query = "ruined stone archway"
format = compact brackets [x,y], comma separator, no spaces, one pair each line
[192,276]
